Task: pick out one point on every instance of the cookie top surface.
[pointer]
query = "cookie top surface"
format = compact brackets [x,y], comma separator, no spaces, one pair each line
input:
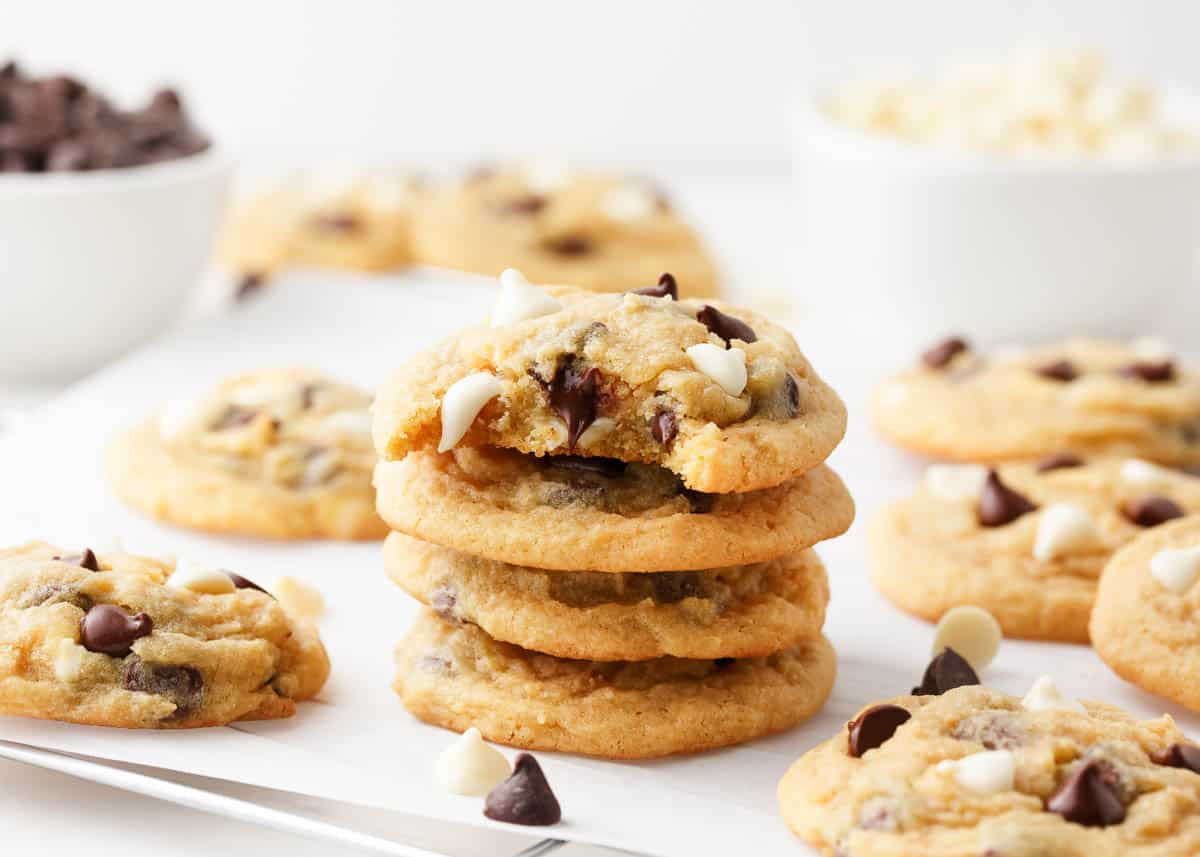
[1083,396]
[631,377]
[973,772]
[456,676]
[1144,623]
[572,514]
[961,540]
[740,611]
[123,640]
[558,225]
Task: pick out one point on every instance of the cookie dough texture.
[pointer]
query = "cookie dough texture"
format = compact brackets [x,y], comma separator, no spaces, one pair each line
[456,676]
[276,453]
[209,659]
[1145,632]
[930,554]
[596,232]
[514,508]
[895,802]
[737,612]
[785,421]
[998,407]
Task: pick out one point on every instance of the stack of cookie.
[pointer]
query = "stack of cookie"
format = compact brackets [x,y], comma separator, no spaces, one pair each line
[607,503]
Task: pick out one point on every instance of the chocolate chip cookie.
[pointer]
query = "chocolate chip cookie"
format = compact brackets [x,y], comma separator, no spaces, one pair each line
[720,396]
[276,453]
[1026,542]
[978,772]
[559,225]
[1082,396]
[123,640]
[456,676]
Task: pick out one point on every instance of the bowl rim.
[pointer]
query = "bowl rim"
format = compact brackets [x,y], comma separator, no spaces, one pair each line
[213,161]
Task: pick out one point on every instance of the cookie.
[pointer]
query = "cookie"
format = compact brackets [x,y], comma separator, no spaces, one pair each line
[604,233]
[456,676]
[975,772]
[1028,546]
[358,219]
[718,395]
[1081,396]
[276,453]
[586,514]
[737,612]
[1144,625]
[123,640]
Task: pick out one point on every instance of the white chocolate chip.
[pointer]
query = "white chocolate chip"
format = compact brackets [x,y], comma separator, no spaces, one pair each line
[1064,529]
[1176,568]
[628,203]
[1044,696]
[984,773]
[1151,348]
[547,176]
[179,413]
[956,482]
[1135,471]
[68,659]
[199,578]
[356,424]
[726,367]
[600,428]
[470,766]
[972,632]
[320,468]
[520,301]
[462,403]
[282,400]
[297,597]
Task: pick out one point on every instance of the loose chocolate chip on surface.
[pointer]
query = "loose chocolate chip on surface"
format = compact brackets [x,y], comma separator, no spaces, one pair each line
[666,288]
[569,245]
[574,394]
[610,467]
[1059,461]
[184,686]
[530,203]
[525,797]
[946,671]
[240,582]
[1179,756]
[1060,370]
[999,504]
[108,629]
[664,426]
[1152,372]
[940,355]
[1152,510]
[87,559]
[725,326]
[1089,796]
[874,726]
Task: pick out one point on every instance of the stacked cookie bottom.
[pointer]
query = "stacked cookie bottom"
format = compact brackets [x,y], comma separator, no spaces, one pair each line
[593,606]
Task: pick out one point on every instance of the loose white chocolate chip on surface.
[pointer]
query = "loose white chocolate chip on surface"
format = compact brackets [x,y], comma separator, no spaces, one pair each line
[972,632]
[1064,529]
[68,659]
[985,773]
[725,366]
[297,597]
[1135,471]
[470,766]
[956,482]
[1176,568]
[199,578]
[462,403]
[1044,695]
[628,203]
[520,301]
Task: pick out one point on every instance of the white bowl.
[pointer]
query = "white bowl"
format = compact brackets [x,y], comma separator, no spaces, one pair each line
[918,243]
[97,262]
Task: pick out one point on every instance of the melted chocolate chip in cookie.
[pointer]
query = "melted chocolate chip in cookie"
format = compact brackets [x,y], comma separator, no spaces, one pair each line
[338,223]
[110,630]
[1090,796]
[671,587]
[240,582]
[1059,461]
[574,395]
[1152,510]
[946,671]
[1059,370]
[999,504]
[664,426]
[725,326]
[568,245]
[607,467]
[525,797]
[873,727]
[1179,756]
[1152,372]
[184,686]
[526,204]
[666,288]
[940,355]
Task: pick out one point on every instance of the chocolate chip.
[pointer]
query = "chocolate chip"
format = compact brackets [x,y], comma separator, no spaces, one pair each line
[874,726]
[87,560]
[940,355]
[1179,756]
[568,245]
[946,671]
[1059,461]
[608,467]
[1060,370]
[666,288]
[574,394]
[308,395]
[1152,510]
[234,416]
[184,686]
[443,602]
[671,587]
[240,582]
[1152,372]
[1089,796]
[250,283]
[108,629]
[999,504]
[725,326]
[340,223]
[525,797]
[664,426]
[700,502]
[724,663]
[791,391]
[527,204]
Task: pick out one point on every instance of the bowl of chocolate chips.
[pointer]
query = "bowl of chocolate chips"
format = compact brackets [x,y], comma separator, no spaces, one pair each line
[109,216]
